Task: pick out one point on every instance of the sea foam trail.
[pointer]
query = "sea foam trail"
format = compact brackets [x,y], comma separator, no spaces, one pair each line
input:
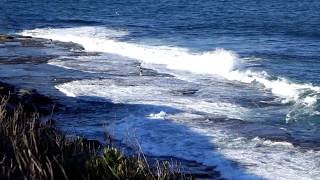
[217,62]
[266,158]
[206,141]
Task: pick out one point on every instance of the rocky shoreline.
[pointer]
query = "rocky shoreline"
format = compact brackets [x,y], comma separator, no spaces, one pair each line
[32,101]
[35,149]
[29,99]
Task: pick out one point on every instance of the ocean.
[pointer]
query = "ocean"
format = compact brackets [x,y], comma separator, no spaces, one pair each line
[229,84]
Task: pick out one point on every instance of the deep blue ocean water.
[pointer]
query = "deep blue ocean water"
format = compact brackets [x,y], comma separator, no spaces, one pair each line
[281,32]
[244,75]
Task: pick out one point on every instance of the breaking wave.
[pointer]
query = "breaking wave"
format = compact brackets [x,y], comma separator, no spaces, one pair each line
[220,62]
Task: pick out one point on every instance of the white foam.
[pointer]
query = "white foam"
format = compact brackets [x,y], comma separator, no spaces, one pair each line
[66,92]
[160,115]
[281,87]
[310,100]
[281,144]
[164,132]
[187,139]
[142,93]
[70,33]
[219,62]
[215,146]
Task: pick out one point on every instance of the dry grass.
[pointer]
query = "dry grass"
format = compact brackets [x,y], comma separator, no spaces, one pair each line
[30,149]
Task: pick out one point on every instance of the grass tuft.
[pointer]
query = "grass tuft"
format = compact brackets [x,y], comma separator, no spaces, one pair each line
[30,149]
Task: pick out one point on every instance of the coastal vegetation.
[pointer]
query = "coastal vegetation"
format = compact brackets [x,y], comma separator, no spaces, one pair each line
[31,148]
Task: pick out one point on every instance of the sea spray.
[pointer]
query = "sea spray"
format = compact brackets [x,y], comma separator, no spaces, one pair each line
[224,63]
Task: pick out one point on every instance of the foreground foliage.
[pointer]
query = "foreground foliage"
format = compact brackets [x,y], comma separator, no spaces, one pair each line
[30,149]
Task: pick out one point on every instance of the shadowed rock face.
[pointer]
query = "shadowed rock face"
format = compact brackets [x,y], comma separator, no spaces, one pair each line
[29,50]
[12,49]
[23,50]
[29,99]
[4,38]
[25,60]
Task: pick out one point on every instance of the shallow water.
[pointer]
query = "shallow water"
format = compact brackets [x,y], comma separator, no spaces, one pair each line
[228,84]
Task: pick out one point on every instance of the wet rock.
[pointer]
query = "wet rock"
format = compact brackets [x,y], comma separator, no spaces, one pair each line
[26,59]
[32,42]
[70,45]
[29,99]
[6,88]
[185,92]
[84,53]
[4,38]
[24,37]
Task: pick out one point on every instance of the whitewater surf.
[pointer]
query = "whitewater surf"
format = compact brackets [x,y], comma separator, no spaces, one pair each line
[211,107]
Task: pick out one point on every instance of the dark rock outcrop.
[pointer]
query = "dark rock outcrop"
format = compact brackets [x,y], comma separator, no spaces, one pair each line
[4,38]
[29,99]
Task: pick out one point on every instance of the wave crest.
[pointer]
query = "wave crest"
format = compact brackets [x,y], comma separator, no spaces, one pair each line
[217,62]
